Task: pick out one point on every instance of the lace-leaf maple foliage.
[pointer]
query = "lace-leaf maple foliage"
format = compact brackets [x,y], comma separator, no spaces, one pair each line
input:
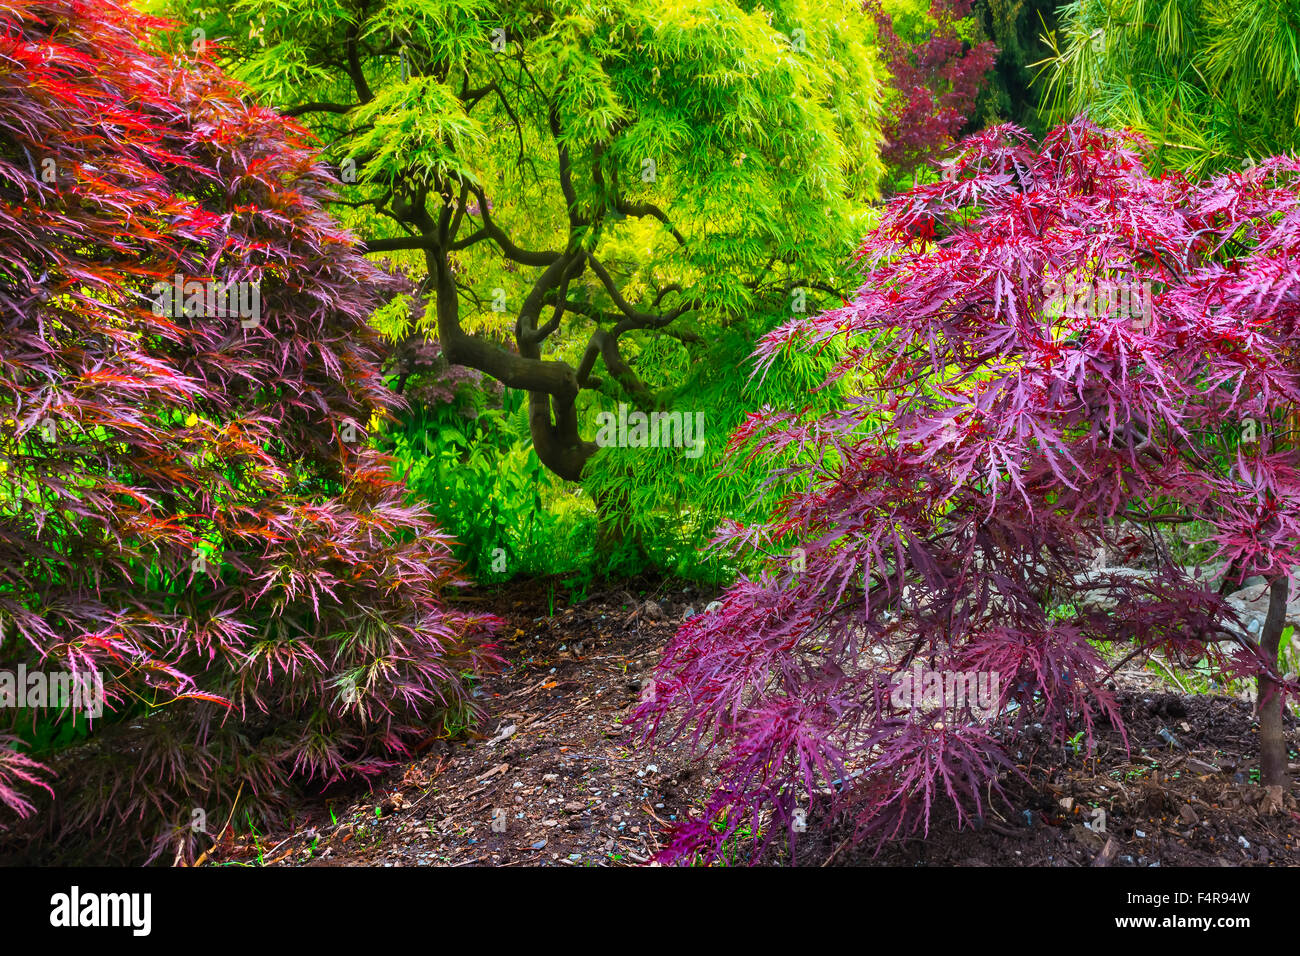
[188,509]
[1011,419]
[936,73]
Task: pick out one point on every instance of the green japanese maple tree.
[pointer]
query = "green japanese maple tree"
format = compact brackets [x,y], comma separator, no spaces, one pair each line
[585,178]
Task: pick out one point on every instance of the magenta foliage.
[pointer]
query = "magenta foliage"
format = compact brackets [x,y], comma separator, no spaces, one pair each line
[188,508]
[426,378]
[1054,354]
[934,83]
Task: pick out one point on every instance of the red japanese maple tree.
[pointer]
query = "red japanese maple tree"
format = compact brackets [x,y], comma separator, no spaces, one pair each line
[934,81]
[188,511]
[1054,353]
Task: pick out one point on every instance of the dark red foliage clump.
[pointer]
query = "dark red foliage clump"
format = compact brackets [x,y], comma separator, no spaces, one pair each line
[934,82]
[188,509]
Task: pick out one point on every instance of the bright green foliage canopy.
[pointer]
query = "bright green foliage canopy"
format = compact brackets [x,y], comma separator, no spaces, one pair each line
[1209,83]
[580,178]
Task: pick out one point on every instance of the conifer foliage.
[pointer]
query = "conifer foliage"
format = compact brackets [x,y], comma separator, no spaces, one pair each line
[1056,358]
[188,509]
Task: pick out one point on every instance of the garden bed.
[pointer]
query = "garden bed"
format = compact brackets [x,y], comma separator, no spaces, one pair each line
[564,782]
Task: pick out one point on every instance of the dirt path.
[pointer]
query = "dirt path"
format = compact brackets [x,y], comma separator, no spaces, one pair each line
[556,779]
[552,779]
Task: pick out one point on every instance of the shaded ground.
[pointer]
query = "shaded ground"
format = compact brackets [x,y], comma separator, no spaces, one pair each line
[556,778]
[1183,796]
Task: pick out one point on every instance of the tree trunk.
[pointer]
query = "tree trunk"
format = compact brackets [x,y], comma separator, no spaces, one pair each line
[1272,745]
[556,440]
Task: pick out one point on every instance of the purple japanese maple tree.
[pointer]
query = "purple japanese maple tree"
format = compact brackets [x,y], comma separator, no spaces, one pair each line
[1055,357]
